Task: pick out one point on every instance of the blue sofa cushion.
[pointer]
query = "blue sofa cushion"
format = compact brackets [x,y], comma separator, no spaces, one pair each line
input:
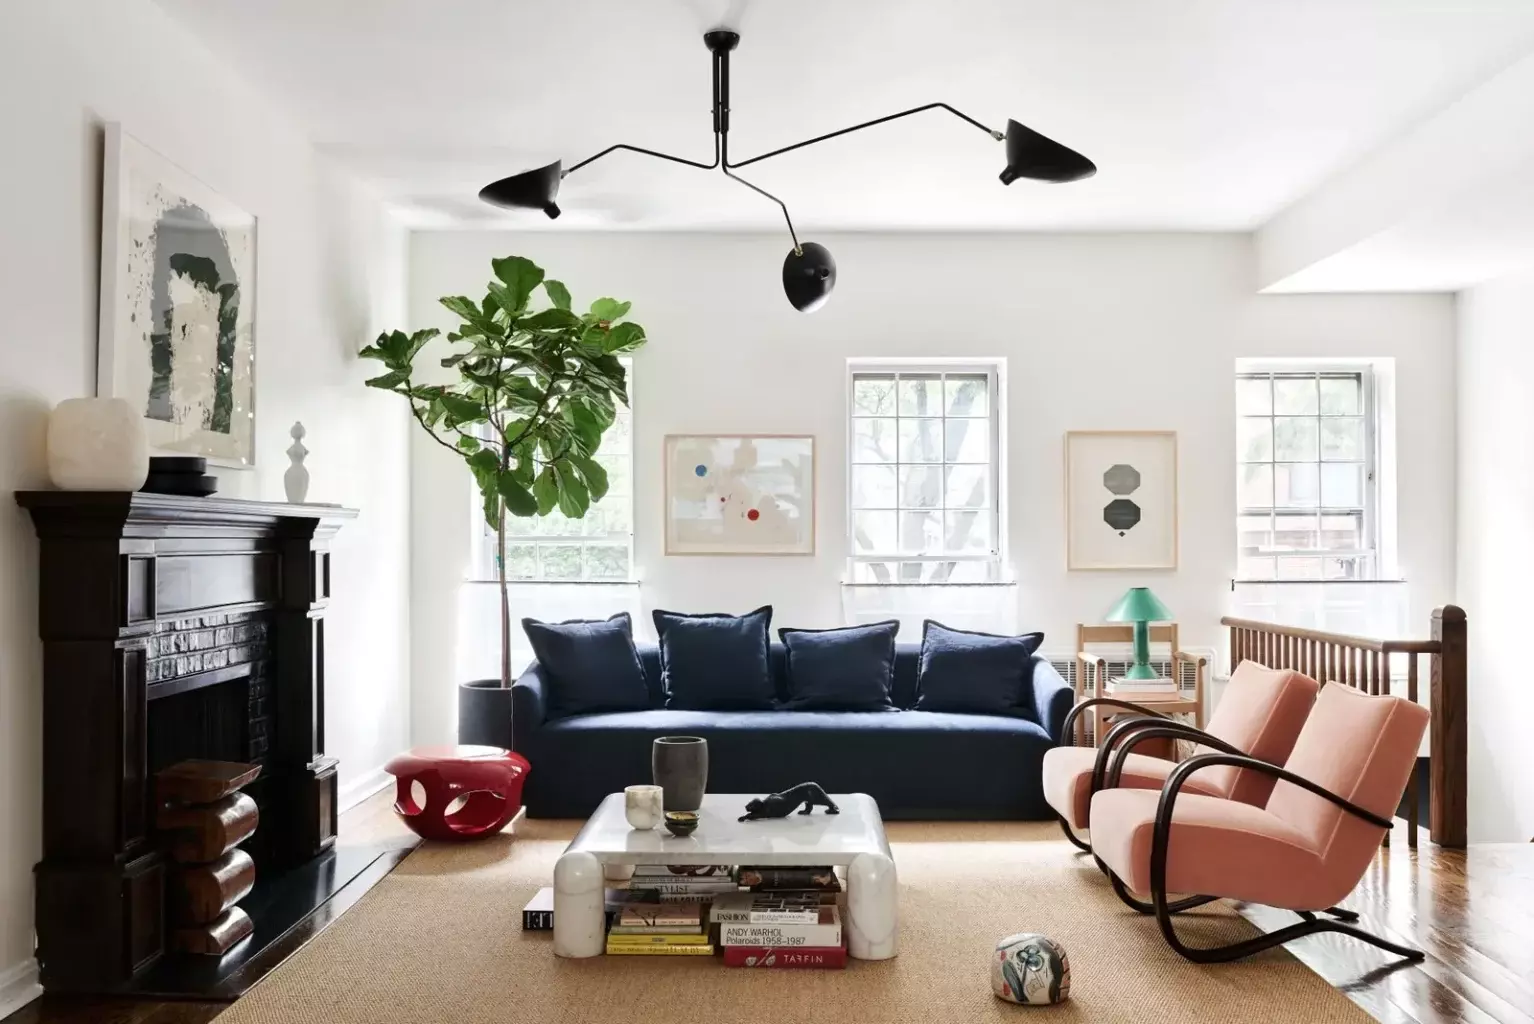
[715,662]
[591,666]
[976,673]
[847,669]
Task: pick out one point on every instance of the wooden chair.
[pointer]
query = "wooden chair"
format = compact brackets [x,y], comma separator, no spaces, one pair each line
[1093,668]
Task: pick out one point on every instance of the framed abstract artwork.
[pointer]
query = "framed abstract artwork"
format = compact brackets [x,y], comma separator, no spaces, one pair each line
[1121,499]
[178,299]
[740,494]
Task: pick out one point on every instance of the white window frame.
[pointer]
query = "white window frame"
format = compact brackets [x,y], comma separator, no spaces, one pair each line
[483,553]
[1370,556]
[993,559]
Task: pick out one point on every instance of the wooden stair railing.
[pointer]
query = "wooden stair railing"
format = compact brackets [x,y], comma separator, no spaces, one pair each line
[1365,663]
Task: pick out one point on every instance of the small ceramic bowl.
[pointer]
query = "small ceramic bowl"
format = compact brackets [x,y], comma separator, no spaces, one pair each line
[681,823]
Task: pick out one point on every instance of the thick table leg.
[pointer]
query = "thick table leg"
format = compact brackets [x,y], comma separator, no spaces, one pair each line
[871,907]
[579,918]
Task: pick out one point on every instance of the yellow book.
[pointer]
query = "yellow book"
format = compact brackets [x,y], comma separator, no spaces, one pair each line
[629,949]
[664,939]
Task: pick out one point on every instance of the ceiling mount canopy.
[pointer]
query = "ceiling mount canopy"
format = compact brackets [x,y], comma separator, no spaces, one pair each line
[809,272]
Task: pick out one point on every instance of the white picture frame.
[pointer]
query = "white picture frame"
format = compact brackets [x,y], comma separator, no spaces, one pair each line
[739,494]
[176,334]
[1121,500]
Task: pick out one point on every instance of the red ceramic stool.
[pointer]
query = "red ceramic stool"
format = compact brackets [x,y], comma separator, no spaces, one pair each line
[488,779]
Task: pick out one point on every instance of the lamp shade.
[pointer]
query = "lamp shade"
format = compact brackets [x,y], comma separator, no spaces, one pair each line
[809,274]
[1031,155]
[1140,605]
[530,190]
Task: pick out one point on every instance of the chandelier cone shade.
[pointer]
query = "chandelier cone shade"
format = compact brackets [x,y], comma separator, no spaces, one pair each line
[809,272]
[530,190]
[1035,156]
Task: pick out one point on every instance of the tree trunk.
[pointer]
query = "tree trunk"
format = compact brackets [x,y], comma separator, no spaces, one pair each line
[500,578]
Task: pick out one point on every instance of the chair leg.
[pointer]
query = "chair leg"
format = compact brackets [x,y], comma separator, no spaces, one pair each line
[1076,840]
[1142,907]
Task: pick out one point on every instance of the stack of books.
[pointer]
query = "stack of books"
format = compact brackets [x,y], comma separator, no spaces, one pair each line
[682,883]
[1142,689]
[789,918]
[660,929]
[538,915]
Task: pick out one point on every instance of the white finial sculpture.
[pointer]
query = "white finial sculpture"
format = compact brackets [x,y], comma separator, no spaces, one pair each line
[296,480]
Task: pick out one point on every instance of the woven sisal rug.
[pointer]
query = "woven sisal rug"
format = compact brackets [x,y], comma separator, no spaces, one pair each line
[440,939]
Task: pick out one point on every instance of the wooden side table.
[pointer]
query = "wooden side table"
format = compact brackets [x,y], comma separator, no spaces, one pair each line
[1093,668]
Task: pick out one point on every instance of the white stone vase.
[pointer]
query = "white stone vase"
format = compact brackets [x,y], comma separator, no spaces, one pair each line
[97,444]
[642,806]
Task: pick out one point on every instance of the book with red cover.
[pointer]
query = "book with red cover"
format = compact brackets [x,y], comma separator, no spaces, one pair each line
[787,957]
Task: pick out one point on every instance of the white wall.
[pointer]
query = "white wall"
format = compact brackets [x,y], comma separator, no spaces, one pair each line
[1495,550]
[330,272]
[1099,331]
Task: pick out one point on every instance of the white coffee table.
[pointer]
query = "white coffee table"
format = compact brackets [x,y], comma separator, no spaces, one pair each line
[853,839]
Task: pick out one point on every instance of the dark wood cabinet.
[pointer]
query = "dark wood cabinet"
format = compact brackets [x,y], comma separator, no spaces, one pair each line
[173,628]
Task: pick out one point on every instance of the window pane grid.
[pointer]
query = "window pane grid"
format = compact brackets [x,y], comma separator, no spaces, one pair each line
[1303,476]
[923,479]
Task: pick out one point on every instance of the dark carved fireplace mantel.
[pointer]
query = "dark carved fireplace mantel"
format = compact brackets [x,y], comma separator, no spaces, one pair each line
[173,628]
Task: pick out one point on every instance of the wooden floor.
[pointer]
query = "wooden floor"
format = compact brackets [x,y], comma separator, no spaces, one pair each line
[1471,911]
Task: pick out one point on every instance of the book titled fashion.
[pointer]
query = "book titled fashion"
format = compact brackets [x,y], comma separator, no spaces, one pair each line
[622,949]
[538,915]
[768,879]
[827,931]
[767,908]
[791,958]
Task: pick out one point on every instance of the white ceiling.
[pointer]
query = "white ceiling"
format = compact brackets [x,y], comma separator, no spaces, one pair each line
[1201,114]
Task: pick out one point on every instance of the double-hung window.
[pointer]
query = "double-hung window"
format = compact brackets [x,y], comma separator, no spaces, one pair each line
[923,480]
[599,547]
[1306,482]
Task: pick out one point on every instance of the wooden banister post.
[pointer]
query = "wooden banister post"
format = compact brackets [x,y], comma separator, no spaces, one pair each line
[1448,767]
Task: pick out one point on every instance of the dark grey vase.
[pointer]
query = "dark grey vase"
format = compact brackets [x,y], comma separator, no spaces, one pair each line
[680,767]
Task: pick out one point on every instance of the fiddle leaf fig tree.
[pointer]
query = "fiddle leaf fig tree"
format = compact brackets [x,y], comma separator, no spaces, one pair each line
[536,390]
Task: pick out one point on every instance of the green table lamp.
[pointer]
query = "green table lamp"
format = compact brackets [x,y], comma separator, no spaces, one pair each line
[1142,608]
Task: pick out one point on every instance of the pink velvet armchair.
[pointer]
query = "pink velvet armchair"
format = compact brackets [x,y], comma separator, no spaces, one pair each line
[1259,715]
[1304,850]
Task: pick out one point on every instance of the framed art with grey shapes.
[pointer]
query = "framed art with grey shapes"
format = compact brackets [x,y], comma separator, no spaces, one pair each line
[1121,499]
[178,298]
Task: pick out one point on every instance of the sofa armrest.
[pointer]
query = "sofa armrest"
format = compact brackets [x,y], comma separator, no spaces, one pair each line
[529,706]
[1053,698]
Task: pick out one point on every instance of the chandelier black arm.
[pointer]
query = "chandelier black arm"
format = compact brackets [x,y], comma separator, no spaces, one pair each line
[869,124]
[769,195]
[647,152]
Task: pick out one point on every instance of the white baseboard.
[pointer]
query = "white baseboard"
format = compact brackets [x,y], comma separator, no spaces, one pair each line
[362,787]
[18,986]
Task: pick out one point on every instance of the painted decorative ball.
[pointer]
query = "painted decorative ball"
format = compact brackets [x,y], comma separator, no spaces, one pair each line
[1030,969]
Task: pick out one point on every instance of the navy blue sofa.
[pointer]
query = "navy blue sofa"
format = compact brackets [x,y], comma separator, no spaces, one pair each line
[916,764]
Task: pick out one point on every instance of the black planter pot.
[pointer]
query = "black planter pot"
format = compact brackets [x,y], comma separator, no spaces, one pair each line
[680,767]
[484,713]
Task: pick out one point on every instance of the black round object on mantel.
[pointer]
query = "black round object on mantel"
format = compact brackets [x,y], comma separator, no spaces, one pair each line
[180,474]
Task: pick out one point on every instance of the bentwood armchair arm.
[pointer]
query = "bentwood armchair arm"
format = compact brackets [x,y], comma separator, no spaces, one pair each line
[1067,731]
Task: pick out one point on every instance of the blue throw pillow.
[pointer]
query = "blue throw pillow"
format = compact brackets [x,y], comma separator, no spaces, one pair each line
[848,669]
[591,666]
[976,673]
[715,662]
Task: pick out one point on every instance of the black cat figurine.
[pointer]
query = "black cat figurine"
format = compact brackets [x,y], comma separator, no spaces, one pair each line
[780,805]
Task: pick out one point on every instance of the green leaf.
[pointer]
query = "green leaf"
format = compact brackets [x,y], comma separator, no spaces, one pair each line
[485,467]
[388,381]
[520,276]
[609,309]
[519,500]
[463,306]
[492,505]
[558,293]
[462,410]
[469,443]
[550,320]
[455,359]
[546,491]
[574,499]
[624,337]
[595,476]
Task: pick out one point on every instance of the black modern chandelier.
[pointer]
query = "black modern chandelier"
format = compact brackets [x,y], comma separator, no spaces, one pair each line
[809,272]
